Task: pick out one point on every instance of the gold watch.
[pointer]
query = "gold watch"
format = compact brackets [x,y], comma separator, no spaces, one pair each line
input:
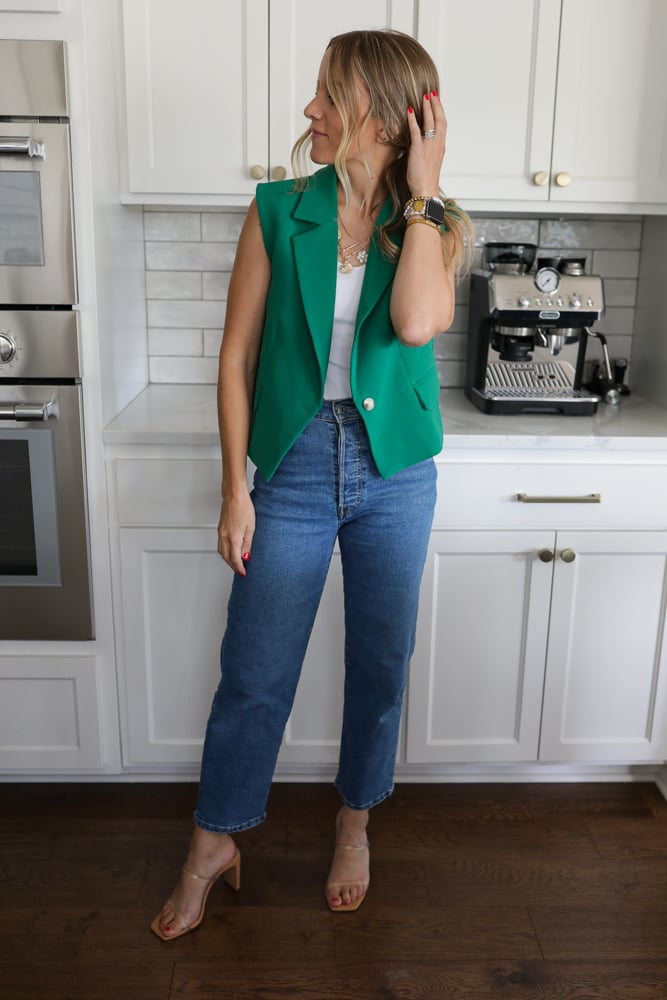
[432,209]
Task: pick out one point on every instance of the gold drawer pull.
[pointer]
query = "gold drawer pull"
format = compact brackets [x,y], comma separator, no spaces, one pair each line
[588,498]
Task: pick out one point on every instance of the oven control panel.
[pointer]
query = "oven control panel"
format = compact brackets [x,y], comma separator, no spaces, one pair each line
[39,344]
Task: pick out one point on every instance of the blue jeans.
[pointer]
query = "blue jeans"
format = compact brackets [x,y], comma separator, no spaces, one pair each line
[326,488]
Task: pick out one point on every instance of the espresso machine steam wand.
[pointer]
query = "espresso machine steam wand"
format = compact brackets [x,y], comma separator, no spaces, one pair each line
[604,386]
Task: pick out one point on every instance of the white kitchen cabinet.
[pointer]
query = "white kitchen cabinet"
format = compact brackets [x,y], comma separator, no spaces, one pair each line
[171,595]
[215,91]
[561,101]
[50,716]
[542,644]
[478,671]
[541,635]
[605,693]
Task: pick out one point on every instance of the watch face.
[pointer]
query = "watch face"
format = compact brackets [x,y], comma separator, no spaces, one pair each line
[547,279]
[435,211]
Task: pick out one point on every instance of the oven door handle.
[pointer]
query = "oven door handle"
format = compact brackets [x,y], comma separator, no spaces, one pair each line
[28,411]
[18,146]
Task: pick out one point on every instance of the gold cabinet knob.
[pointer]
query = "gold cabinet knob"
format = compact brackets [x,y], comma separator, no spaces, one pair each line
[279,173]
[563,179]
[568,556]
[546,555]
[541,178]
[257,172]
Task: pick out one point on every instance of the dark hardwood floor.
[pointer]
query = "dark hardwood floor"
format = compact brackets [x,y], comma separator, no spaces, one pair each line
[479,892]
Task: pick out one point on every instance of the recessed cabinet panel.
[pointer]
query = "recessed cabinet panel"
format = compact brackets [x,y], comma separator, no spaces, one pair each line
[174,593]
[49,713]
[196,80]
[477,673]
[497,65]
[605,695]
[174,599]
[298,40]
[610,127]
[215,92]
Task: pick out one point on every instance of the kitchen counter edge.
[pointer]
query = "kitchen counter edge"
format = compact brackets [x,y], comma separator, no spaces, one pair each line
[165,414]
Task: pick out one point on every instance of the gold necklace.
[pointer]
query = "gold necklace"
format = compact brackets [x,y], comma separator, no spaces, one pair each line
[345,257]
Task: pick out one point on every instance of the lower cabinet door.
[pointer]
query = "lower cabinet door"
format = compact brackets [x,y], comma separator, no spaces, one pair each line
[174,595]
[605,693]
[173,601]
[477,674]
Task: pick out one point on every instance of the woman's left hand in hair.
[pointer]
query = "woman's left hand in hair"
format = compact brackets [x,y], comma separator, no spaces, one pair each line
[425,155]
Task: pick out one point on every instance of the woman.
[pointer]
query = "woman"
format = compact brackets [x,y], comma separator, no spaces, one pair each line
[327,381]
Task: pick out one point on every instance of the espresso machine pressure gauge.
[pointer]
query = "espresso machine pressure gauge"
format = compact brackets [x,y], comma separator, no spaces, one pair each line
[547,280]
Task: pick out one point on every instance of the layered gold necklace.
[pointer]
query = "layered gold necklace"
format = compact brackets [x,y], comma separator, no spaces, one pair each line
[348,253]
[357,250]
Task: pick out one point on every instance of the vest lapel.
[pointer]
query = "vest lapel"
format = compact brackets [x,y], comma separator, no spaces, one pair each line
[379,272]
[316,253]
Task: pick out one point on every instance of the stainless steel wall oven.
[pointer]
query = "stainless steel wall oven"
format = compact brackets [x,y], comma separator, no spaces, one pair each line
[45,590]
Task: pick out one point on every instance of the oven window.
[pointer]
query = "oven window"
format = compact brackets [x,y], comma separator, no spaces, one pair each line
[18,554]
[21,235]
[29,532]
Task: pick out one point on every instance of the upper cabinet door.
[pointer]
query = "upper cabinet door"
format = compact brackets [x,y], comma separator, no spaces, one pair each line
[196,78]
[298,40]
[610,127]
[497,64]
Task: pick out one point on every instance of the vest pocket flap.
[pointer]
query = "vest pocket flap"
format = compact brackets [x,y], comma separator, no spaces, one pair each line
[427,389]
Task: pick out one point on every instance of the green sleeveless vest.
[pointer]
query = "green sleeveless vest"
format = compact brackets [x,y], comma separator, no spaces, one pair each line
[395,388]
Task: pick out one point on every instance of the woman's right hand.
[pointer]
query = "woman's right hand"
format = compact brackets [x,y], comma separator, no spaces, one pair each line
[236,528]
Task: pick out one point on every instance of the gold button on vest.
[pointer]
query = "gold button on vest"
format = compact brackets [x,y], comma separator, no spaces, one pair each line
[368,403]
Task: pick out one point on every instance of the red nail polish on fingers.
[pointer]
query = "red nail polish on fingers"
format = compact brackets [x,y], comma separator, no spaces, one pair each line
[427,97]
[411,110]
[245,556]
[434,93]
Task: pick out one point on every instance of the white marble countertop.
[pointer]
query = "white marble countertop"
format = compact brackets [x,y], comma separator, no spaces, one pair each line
[186,415]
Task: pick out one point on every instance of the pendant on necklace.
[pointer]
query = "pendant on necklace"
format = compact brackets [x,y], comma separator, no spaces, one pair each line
[345,267]
[362,256]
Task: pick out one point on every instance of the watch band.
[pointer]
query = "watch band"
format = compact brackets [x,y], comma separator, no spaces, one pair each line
[432,209]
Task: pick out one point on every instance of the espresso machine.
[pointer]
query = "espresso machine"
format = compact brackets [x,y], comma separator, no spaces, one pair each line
[528,331]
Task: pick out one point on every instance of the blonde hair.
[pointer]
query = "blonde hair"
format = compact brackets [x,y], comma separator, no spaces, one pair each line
[396,72]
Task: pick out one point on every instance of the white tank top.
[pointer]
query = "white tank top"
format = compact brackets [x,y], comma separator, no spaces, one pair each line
[348,293]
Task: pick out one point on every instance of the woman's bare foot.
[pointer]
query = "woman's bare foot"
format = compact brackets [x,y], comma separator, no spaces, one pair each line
[208,854]
[349,876]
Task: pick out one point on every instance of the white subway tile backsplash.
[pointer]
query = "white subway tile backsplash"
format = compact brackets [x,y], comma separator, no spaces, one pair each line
[190,254]
[173,285]
[175,343]
[571,234]
[616,321]
[216,284]
[221,227]
[203,371]
[620,292]
[616,263]
[506,231]
[172,226]
[212,342]
[181,256]
[162,312]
